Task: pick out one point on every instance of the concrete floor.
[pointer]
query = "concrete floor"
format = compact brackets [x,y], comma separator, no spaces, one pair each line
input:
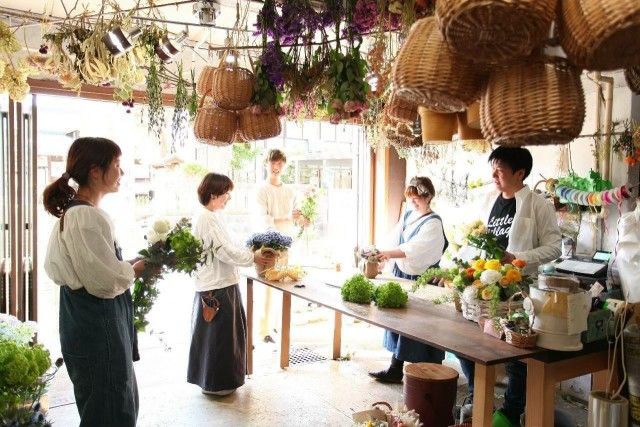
[322,393]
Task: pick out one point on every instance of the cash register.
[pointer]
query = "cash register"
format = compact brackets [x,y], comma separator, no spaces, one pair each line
[588,269]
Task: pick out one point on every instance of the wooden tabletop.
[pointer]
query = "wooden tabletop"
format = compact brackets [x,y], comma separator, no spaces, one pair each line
[438,325]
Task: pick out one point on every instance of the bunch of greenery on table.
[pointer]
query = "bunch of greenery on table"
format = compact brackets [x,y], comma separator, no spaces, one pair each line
[358,289]
[25,373]
[170,249]
[390,295]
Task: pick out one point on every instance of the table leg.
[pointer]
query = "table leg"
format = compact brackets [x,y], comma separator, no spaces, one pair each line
[286,330]
[485,379]
[249,326]
[337,334]
[541,394]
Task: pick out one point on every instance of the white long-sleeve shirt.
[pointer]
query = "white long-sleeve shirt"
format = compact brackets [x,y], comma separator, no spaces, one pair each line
[535,236]
[274,202]
[220,270]
[83,254]
[423,250]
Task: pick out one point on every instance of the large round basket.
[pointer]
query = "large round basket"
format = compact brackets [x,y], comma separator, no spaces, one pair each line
[600,34]
[632,76]
[493,31]
[215,126]
[204,81]
[255,127]
[538,102]
[232,87]
[401,110]
[429,74]
[480,308]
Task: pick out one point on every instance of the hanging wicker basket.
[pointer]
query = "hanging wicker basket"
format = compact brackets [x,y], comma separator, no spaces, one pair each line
[429,74]
[401,110]
[632,76]
[232,86]
[600,34]
[537,102]
[204,81]
[437,128]
[493,31]
[215,126]
[255,127]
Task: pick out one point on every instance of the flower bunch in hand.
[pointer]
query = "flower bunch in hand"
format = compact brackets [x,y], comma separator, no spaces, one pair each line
[170,249]
[308,208]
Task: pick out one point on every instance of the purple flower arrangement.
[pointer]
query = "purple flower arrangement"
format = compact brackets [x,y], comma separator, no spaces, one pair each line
[269,239]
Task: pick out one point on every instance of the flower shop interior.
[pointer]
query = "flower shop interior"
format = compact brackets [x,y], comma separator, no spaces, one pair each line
[361,96]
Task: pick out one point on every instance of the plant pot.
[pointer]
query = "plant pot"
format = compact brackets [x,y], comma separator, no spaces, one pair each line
[605,411]
[369,269]
[275,258]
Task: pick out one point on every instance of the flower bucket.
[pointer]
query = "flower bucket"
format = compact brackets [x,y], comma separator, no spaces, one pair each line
[605,411]
[275,258]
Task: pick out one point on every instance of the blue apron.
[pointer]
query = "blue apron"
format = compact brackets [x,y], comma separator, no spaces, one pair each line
[96,338]
[404,348]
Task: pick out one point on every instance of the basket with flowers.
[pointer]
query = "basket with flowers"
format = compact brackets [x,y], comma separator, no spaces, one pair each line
[274,246]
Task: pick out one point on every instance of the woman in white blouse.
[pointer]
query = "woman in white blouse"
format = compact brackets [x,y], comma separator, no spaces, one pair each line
[417,243]
[217,357]
[96,310]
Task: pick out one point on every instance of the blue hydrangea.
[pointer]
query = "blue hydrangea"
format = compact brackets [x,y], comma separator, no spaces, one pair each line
[269,239]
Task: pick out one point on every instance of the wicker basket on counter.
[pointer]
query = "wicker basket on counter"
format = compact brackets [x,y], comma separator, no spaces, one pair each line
[480,308]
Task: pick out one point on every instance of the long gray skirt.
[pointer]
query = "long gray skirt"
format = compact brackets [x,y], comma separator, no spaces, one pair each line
[218,354]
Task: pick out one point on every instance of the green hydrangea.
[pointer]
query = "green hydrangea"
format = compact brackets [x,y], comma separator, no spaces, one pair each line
[358,289]
[21,365]
[391,295]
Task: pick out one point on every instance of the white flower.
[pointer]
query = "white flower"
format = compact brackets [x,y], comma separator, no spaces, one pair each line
[489,277]
[469,295]
[161,226]
[153,237]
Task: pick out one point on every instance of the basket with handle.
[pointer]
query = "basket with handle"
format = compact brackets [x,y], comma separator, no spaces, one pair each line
[231,85]
[600,34]
[214,125]
[492,31]
[535,102]
[632,76]
[429,74]
[518,339]
[254,127]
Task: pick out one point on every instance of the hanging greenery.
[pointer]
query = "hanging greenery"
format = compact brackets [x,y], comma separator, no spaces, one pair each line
[180,112]
[150,37]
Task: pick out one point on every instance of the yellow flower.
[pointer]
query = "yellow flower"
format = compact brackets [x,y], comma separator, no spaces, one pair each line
[513,276]
[478,264]
[492,264]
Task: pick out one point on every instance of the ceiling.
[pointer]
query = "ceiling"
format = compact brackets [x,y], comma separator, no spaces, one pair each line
[27,18]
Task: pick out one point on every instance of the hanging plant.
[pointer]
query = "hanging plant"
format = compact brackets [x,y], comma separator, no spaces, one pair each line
[269,73]
[180,112]
[13,79]
[345,83]
[151,35]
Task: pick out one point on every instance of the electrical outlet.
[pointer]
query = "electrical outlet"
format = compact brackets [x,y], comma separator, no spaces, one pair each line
[615,305]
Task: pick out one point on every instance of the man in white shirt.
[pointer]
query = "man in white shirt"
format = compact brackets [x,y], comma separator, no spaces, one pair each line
[527,226]
[276,211]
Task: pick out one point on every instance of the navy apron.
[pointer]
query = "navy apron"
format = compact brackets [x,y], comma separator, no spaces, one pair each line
[96,338]
[404,348]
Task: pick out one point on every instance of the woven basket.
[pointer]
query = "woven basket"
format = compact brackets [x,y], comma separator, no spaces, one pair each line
[632,76]
[429,74]
[515,338]
[215,126]
[437,128]
[480,308]
[205,80]
[232,87]
[401,110]
[255,127]
[493,31]
[538,102]
[600,34]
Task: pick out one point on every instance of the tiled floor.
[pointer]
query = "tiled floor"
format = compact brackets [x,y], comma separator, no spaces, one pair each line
[322,393]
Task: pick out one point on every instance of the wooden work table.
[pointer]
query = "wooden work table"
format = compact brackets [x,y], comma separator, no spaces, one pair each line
[442,327]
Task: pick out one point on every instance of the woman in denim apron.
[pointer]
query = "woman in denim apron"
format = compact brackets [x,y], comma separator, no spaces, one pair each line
[419,243]
[96,310]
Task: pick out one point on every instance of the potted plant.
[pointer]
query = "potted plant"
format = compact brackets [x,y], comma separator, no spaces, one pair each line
[273,245]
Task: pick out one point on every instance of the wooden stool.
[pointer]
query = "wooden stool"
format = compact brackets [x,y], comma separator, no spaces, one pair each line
[431,389]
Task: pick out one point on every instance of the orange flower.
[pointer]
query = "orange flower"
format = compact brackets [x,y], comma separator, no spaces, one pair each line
[486,295]
[477,284]
[513,276]
[520,263]
[630,159]
[504,282]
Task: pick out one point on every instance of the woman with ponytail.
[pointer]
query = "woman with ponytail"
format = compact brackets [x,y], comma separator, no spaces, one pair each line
[96,310]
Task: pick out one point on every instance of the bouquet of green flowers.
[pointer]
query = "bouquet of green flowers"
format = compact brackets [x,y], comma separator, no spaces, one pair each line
[170,250]
[25,372]
[309,208]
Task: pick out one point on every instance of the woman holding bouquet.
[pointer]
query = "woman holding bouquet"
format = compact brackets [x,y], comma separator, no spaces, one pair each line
[417,243]
[96,311]
[217,357]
